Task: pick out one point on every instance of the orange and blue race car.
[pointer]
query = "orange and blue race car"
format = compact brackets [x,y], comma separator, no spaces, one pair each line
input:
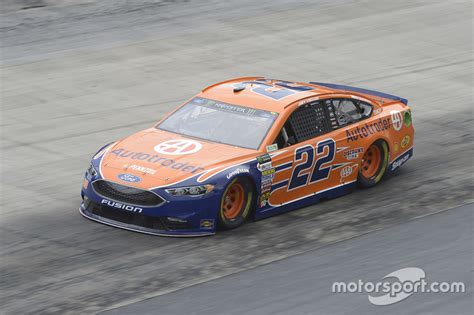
[247,148]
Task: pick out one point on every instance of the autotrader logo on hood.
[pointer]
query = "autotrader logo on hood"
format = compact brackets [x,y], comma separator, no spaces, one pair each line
[178,147]
[156,159]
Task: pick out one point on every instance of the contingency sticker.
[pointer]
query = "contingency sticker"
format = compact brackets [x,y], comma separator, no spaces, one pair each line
[267,171]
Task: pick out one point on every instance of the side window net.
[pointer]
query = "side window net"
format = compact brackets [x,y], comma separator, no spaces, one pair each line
[309,121]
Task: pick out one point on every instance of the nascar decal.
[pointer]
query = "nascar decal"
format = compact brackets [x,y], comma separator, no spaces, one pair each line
[178,147]
[397,119]
[153,158]
[368,129]
[264,165]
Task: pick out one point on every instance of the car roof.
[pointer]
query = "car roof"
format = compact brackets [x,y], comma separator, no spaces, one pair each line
[244,92]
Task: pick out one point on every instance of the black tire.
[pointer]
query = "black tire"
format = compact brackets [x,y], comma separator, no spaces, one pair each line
[227,221]
[365,181]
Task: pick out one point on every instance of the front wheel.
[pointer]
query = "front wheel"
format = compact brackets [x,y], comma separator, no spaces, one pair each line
[236,203]
[374,164]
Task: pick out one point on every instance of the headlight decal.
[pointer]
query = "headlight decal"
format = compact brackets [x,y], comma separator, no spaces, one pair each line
[91,171]
[190,190]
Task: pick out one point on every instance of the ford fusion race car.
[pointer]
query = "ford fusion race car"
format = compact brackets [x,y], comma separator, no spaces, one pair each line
[247,148]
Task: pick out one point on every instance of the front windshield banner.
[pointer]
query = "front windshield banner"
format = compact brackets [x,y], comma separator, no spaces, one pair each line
[221,122]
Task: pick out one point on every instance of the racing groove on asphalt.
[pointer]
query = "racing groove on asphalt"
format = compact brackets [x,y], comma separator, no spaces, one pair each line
[77,76]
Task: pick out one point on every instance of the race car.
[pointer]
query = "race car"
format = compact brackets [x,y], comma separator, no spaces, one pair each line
[247,148]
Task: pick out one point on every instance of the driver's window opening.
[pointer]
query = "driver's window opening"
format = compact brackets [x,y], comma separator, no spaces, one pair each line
[306,122]
[348,111]
[317,118]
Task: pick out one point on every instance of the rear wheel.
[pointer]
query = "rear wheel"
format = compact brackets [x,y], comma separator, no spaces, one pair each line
[236,203]
[374,164]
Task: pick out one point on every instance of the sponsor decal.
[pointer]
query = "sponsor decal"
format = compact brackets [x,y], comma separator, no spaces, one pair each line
[264,158]
[346,171]
[207,224]
[266,184]
[268,172]
[407,118]
[139,168]
[178,147]
[272,147]
[367,129]
[237,172]
[152,158]
[400,160]
[129,178]
[378,111]
[352,154]
[395,147]
[264,199]
[397,119]
[265,166]
[85,183]
[122,206]
[405,141]
[308,100]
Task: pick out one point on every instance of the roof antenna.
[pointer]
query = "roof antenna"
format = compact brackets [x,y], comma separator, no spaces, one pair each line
[239,87]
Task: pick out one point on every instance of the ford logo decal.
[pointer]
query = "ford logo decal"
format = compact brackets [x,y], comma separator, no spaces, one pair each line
[129,178]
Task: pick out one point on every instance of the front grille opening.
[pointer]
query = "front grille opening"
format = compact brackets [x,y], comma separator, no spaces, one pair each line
[175,225]
[127,194]
[138,219]
[126,217]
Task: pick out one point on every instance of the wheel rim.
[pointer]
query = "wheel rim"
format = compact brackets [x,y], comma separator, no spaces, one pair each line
[371,161]
[233,201]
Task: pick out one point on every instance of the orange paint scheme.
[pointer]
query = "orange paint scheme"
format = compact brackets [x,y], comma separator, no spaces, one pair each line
[161,169]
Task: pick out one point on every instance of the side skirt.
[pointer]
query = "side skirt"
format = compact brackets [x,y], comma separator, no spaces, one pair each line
[309,200]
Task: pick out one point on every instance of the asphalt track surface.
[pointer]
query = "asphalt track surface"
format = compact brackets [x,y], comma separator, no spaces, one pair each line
[302,284]
[78,74]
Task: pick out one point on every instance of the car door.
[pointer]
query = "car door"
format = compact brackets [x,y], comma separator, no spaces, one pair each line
[314,158]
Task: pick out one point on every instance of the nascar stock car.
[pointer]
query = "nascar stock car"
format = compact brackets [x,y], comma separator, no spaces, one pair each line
[247,148]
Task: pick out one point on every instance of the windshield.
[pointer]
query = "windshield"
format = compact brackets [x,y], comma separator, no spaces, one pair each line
[220,122]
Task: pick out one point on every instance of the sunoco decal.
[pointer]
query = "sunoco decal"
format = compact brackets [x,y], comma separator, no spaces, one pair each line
[405,141]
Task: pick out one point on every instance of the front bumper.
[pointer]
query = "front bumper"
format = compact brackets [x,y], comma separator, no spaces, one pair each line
[181,217]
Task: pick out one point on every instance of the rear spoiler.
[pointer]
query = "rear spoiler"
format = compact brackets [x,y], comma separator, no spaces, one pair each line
[363,91]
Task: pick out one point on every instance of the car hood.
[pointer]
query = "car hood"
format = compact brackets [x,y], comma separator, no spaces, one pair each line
[154,158]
